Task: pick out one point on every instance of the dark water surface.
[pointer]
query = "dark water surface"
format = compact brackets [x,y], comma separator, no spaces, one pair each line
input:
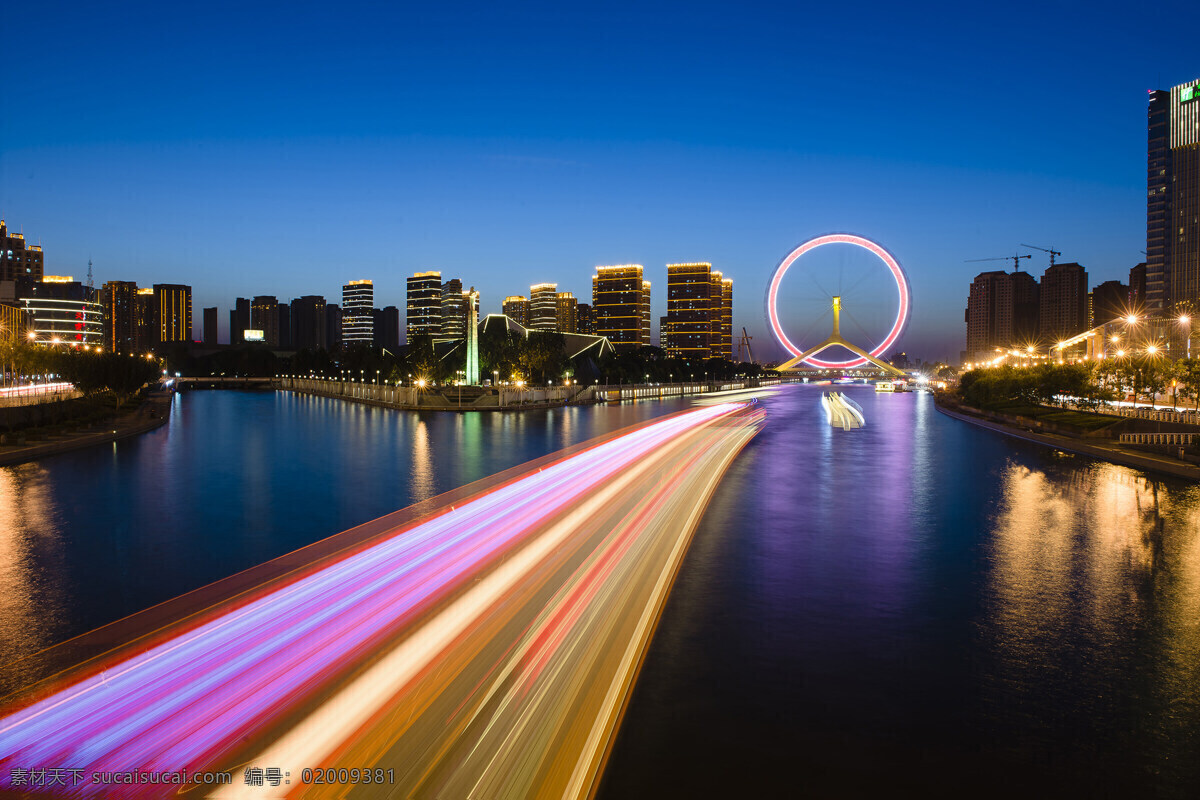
[922,607]
[917,607]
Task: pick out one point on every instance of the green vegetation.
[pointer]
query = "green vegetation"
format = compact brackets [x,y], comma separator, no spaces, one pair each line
[538,359]
[999,387]
[1031,392]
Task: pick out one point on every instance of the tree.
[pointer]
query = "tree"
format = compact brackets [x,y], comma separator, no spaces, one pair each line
[1187,372]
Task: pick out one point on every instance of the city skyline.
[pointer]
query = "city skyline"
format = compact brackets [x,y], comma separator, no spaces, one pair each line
[477,160]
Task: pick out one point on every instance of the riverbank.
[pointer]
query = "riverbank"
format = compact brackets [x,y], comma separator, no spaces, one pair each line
[505,398]
[1106,450]
[152,413]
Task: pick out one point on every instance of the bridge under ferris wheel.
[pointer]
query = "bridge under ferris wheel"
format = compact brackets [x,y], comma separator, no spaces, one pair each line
[835,338]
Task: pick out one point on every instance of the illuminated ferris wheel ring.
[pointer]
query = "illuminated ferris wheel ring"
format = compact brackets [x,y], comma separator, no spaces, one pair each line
[887,258]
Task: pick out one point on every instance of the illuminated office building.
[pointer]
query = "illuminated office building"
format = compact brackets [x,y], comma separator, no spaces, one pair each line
[454,311]
[120,301]
[564,314]
[543,307]
[584,321]
[172,313]
[13,322]
[686,331]
[358,321]
[17,259]
[1173,200]
[699,317]
[516,308]
[424,305]
[146,320]
[621,306]
[62,311]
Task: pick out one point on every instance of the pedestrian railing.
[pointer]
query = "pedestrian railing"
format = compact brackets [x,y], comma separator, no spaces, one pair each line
[1179,439]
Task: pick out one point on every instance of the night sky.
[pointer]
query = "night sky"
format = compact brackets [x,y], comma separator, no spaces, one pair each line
[286,150]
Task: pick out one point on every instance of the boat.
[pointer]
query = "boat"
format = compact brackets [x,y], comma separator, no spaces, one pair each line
[842,412]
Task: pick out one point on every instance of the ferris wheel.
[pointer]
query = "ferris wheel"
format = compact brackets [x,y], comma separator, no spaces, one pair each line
[876,345]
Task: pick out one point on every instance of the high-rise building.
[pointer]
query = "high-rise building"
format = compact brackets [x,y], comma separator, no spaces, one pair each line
[1173,199]
[333,326]
[454,310]
[543,306]
[564,312]
[387,328]
[516,308]
[1002,311]
[239,320]
[119,299]
[689,321]
[724,347]
[308,323]
[644,322]
[18,260]
[358,323]
[13,322]
[699,319]
[147,320]
[264,316]
[1110,301]
[584,321]
[284,313]
[62,310]
[1137,288]
[1063,302]
[210,326]
[621,306]
[173,312]
[424,305]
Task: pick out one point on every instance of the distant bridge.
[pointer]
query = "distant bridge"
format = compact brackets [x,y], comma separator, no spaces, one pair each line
[223,382]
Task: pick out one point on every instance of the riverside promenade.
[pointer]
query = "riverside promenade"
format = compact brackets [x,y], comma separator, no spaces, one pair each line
[1104,449]
[506,398]
[152,413]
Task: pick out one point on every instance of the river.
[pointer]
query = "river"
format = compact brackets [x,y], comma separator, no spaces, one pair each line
[917,606]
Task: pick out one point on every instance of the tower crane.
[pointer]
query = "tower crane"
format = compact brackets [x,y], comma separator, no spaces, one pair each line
[1051,251]
[1015,259]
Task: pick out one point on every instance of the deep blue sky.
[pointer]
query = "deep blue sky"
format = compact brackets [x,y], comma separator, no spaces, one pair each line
[284,151]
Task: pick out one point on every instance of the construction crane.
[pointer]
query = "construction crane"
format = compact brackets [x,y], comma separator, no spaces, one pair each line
[744,342]
[1051,251]
[1015,259]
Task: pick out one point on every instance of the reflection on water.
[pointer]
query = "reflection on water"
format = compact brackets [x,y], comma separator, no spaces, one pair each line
[921,607]
[891,611]
[1095,582]
[236,479]
[30,549]
[422,464]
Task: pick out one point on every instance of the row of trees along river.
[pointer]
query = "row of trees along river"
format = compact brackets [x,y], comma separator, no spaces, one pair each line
[539,358]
